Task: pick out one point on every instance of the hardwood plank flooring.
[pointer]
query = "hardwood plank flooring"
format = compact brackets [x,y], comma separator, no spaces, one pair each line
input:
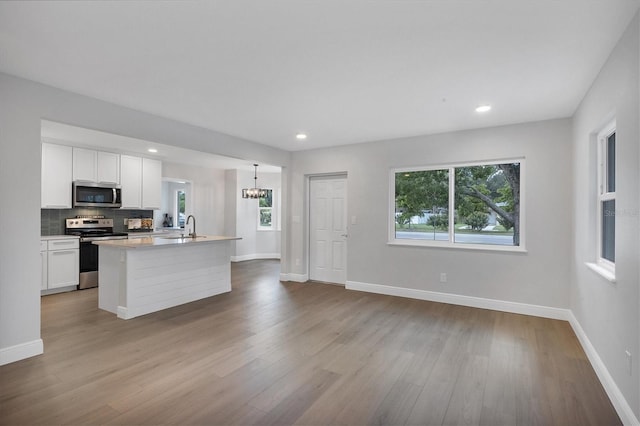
[279,353]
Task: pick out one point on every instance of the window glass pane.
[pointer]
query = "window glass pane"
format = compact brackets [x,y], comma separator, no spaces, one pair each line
[267,201]
[265,217]
[487,204]
[180,203]
[611,163]
[421,205]
[609,230]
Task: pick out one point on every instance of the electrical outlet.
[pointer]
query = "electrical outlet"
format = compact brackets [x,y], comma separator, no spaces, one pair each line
[443,277]
[126,221]
[297,262]
[628,360]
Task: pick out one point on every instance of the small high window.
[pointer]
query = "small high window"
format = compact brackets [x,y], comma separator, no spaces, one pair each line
[606,208]
[265,211]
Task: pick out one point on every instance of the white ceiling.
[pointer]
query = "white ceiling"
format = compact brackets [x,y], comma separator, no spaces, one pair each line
[344,71]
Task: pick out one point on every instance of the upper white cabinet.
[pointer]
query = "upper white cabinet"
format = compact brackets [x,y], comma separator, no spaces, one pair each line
[141,182]
[151,183]
[131,181]
[57,166]
[96,166]
[108,167]
[140,178]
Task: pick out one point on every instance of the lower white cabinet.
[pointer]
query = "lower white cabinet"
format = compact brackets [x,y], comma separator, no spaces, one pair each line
[43,265]
[62,263]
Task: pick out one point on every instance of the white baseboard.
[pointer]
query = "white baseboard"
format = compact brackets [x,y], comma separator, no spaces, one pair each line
[299,278]
[255,256]
[613,391]
[615,395]
[21,351]
[456,299]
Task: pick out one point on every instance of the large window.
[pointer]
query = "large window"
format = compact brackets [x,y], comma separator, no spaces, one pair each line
[485,199]
[607,197]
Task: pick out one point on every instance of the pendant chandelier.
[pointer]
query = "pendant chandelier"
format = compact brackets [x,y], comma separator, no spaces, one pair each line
[254,192]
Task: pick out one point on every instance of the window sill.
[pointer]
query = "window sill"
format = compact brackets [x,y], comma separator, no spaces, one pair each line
[605,273]
[457,246]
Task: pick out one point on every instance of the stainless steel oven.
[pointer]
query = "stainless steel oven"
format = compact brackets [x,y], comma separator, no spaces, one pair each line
[91,229]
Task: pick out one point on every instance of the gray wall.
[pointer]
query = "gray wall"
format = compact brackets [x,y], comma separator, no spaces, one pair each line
[608,312]
[538,277]
[255,244]
[206,195]
[22,105]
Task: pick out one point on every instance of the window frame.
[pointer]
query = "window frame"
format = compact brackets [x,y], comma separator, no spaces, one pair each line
[271,208]
[450,243]
[603,195]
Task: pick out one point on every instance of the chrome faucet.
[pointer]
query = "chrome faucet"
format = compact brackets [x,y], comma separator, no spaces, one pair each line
[192,234]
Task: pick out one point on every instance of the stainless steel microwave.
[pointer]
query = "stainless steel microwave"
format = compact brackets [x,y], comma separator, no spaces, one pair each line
[91,194]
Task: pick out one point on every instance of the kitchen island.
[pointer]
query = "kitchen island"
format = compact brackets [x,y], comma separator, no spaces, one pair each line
[144,275]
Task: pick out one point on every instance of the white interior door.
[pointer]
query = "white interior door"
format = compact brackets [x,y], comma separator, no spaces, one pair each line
[328,229]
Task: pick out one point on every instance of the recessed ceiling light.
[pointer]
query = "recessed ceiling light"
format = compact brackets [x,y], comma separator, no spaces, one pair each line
[483,108]
[152,150]
[301,136]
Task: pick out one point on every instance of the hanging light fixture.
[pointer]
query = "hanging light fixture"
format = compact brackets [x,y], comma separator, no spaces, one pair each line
[254,192]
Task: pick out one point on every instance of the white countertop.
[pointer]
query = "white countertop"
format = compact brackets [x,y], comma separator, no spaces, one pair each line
[146,242]
[58,237]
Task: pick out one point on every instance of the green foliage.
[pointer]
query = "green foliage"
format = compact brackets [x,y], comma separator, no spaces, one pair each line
[477,220]
[268,200]
[506,224]
[265,217]
[439,221]
[419,191]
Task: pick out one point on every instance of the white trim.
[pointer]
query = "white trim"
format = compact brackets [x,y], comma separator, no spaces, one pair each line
[21,351]
[254,256]
[605,273]
[122,312]
[615,395]
[299,278]
[457,299]
[49,291]
[456,246]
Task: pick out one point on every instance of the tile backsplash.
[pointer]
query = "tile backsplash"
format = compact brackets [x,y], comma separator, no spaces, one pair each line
[52,220]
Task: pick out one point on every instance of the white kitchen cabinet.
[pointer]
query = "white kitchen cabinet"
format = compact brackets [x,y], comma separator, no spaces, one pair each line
[56,176]
[96,166]
[108,167]
[43,265]
[63,262]
[141,182]
[85,164]
[131,181]
[151,183]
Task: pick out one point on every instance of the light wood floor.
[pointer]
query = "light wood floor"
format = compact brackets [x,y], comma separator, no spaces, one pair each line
[274,353]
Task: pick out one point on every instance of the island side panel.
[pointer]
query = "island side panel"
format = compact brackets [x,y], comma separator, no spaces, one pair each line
[110,277]
[165,276]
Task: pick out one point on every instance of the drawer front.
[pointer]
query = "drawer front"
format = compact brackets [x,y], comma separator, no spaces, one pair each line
[64,244]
